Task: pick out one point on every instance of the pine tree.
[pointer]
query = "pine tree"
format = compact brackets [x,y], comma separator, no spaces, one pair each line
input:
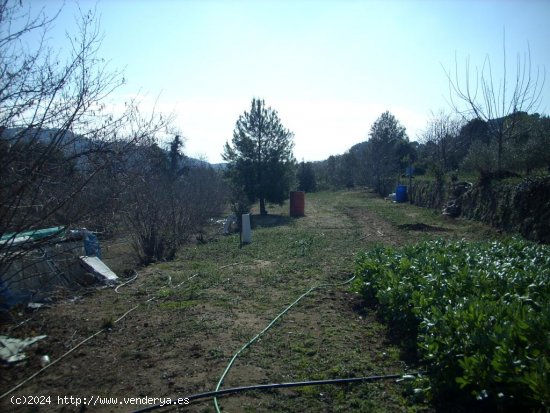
[260,159]
[388,144]
[306,177]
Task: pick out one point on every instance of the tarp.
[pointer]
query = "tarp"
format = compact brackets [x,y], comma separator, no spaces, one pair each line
[14,238]
[11,349]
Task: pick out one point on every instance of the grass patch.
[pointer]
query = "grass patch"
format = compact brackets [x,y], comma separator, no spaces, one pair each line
[178,305]
[420,224]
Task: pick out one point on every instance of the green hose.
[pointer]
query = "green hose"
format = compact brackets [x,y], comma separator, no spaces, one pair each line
[267,328]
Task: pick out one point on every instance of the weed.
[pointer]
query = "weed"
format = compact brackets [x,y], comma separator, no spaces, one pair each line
[214,353]
[164,292]
[107,323]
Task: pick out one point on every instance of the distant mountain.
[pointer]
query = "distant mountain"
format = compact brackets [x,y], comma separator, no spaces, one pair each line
[194,163]
[219,166]
[72,144]
[43,136]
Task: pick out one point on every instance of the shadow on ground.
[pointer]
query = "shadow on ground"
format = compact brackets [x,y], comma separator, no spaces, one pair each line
[269,221]
[419,226]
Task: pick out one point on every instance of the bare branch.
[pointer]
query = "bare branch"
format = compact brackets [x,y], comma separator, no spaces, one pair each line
[495,103]
[56,135]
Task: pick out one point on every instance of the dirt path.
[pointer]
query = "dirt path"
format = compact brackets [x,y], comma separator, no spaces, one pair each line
[183,330]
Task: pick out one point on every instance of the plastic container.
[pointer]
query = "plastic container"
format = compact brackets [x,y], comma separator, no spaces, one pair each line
[297,203]
[401,193]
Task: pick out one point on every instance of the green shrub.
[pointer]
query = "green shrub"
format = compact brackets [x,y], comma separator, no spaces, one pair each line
[478,312]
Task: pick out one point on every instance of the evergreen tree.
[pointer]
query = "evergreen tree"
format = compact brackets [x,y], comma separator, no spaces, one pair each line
[260,159]
[388,145]
[176,157]
[306,177]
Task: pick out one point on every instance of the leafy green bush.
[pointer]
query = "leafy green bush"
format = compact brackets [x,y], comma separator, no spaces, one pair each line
[478,312]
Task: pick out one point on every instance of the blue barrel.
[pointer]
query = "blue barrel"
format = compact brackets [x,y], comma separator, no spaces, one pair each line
[401,193]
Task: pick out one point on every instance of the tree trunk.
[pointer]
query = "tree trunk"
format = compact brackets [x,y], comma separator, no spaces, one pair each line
[263,211]
[499,154]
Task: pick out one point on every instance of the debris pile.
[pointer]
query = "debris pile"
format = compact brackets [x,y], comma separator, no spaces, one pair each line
[35,263]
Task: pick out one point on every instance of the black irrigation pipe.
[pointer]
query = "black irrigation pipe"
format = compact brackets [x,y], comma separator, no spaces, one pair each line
[233,390]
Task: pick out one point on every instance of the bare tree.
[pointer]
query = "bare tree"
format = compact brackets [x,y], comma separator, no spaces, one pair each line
[441,134]
[497,102]
[56,133]
[167,199]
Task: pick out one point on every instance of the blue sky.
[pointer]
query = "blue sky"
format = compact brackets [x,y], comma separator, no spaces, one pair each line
[329,67]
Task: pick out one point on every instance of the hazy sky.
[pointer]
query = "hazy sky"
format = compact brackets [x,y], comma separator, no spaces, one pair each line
[329,67]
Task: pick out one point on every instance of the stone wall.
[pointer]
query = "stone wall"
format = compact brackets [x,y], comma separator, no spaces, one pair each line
[422,193]
[428,194]
[523,207]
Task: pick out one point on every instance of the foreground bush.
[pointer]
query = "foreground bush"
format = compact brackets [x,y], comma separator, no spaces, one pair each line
[167,199]
[478,312]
